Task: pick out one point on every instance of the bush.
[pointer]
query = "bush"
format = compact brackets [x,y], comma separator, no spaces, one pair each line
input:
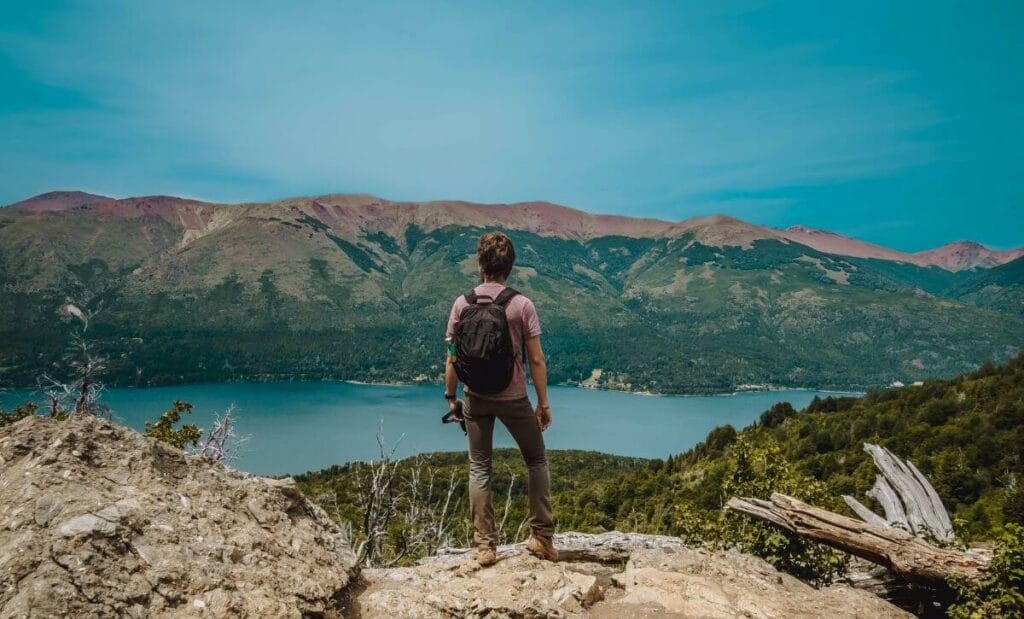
[1001,592]
[19,413]
[775,415]
[720,438]
[757,469]
[163,429]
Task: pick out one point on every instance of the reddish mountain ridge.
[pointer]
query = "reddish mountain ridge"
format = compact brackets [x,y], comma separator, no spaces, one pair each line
[375,214]
[58,201]
[346,214]
[956,256]
[961,255]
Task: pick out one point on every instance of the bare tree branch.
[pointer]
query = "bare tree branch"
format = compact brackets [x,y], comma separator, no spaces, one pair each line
[508,501]
[223,442]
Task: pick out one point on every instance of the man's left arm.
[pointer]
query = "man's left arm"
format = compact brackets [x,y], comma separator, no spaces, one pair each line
[451,379]
[539,373]
[538,365]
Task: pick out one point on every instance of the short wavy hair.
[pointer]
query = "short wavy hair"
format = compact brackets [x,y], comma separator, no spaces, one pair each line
[496,255]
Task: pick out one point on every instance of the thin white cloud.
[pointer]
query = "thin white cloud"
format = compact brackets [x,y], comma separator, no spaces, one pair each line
[597,110]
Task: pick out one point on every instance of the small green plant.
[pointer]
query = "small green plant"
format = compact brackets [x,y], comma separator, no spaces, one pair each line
[163,429]
[1000,593]
[19,413]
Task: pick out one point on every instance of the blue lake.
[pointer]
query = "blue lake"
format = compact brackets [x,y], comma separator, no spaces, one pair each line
[293,427]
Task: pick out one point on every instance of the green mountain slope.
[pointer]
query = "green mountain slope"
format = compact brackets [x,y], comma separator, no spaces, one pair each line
[359,288]
[1000,288]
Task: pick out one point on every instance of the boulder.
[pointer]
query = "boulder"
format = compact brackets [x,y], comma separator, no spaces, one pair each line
[96,520]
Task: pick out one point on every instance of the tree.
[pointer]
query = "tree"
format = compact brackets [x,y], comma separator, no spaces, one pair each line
[778,413]
[78,393]
[757,468]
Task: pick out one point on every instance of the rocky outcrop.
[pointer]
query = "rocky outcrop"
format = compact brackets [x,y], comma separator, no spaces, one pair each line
[96,520]
[645,576]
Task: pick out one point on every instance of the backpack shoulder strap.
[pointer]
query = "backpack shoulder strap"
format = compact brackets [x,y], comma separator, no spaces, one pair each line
[505,296]
[473,298]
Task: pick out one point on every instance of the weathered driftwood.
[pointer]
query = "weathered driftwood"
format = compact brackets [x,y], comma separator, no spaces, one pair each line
[907,498]
[907,556]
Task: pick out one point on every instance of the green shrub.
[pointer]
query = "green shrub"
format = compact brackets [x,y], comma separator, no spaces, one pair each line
[775,415]
[757,468]
[1001,592]
[19,413]
[163,429]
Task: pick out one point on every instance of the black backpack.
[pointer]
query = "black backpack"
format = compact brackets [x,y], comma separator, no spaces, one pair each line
[484,356]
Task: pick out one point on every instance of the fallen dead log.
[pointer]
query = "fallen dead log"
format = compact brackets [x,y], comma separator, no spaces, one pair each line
[909,557]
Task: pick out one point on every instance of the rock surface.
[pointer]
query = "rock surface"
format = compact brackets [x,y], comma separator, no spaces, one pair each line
[660,578]
[96,520]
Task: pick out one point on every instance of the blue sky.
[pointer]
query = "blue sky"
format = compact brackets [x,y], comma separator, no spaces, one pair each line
[897,122]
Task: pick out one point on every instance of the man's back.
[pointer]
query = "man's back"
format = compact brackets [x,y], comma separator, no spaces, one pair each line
[523,323]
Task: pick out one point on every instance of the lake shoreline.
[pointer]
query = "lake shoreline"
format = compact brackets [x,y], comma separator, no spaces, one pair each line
[311,425]
[838,391]
[701,394]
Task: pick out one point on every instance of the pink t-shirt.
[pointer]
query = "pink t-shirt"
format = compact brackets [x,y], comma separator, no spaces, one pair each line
[523,322]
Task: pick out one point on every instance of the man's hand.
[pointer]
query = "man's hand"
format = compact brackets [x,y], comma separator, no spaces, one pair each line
[454,406]
[543,415]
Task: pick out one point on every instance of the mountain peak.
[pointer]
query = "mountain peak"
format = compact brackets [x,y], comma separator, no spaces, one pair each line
[58,201]
[955,256]
[722,231]
[962,255]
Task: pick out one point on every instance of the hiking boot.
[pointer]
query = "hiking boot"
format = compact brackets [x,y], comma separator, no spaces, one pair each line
[485,555]
[542,548]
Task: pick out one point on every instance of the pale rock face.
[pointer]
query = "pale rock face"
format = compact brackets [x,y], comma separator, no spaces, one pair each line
[96,520]
[86,524]
[48,507]
[661,579]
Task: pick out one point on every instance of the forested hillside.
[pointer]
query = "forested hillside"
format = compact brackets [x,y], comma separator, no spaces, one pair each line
[1000,288]
[355,287]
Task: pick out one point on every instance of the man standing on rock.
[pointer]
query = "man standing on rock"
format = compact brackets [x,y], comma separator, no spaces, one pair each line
[490,329]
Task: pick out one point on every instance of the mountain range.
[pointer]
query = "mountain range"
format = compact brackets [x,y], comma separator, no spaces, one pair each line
[358,287]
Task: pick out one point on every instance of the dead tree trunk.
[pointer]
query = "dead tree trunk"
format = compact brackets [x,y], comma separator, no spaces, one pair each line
[907,498]
[907,556]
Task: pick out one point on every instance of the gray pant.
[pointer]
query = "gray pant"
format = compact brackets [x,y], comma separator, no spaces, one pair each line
[518,417]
